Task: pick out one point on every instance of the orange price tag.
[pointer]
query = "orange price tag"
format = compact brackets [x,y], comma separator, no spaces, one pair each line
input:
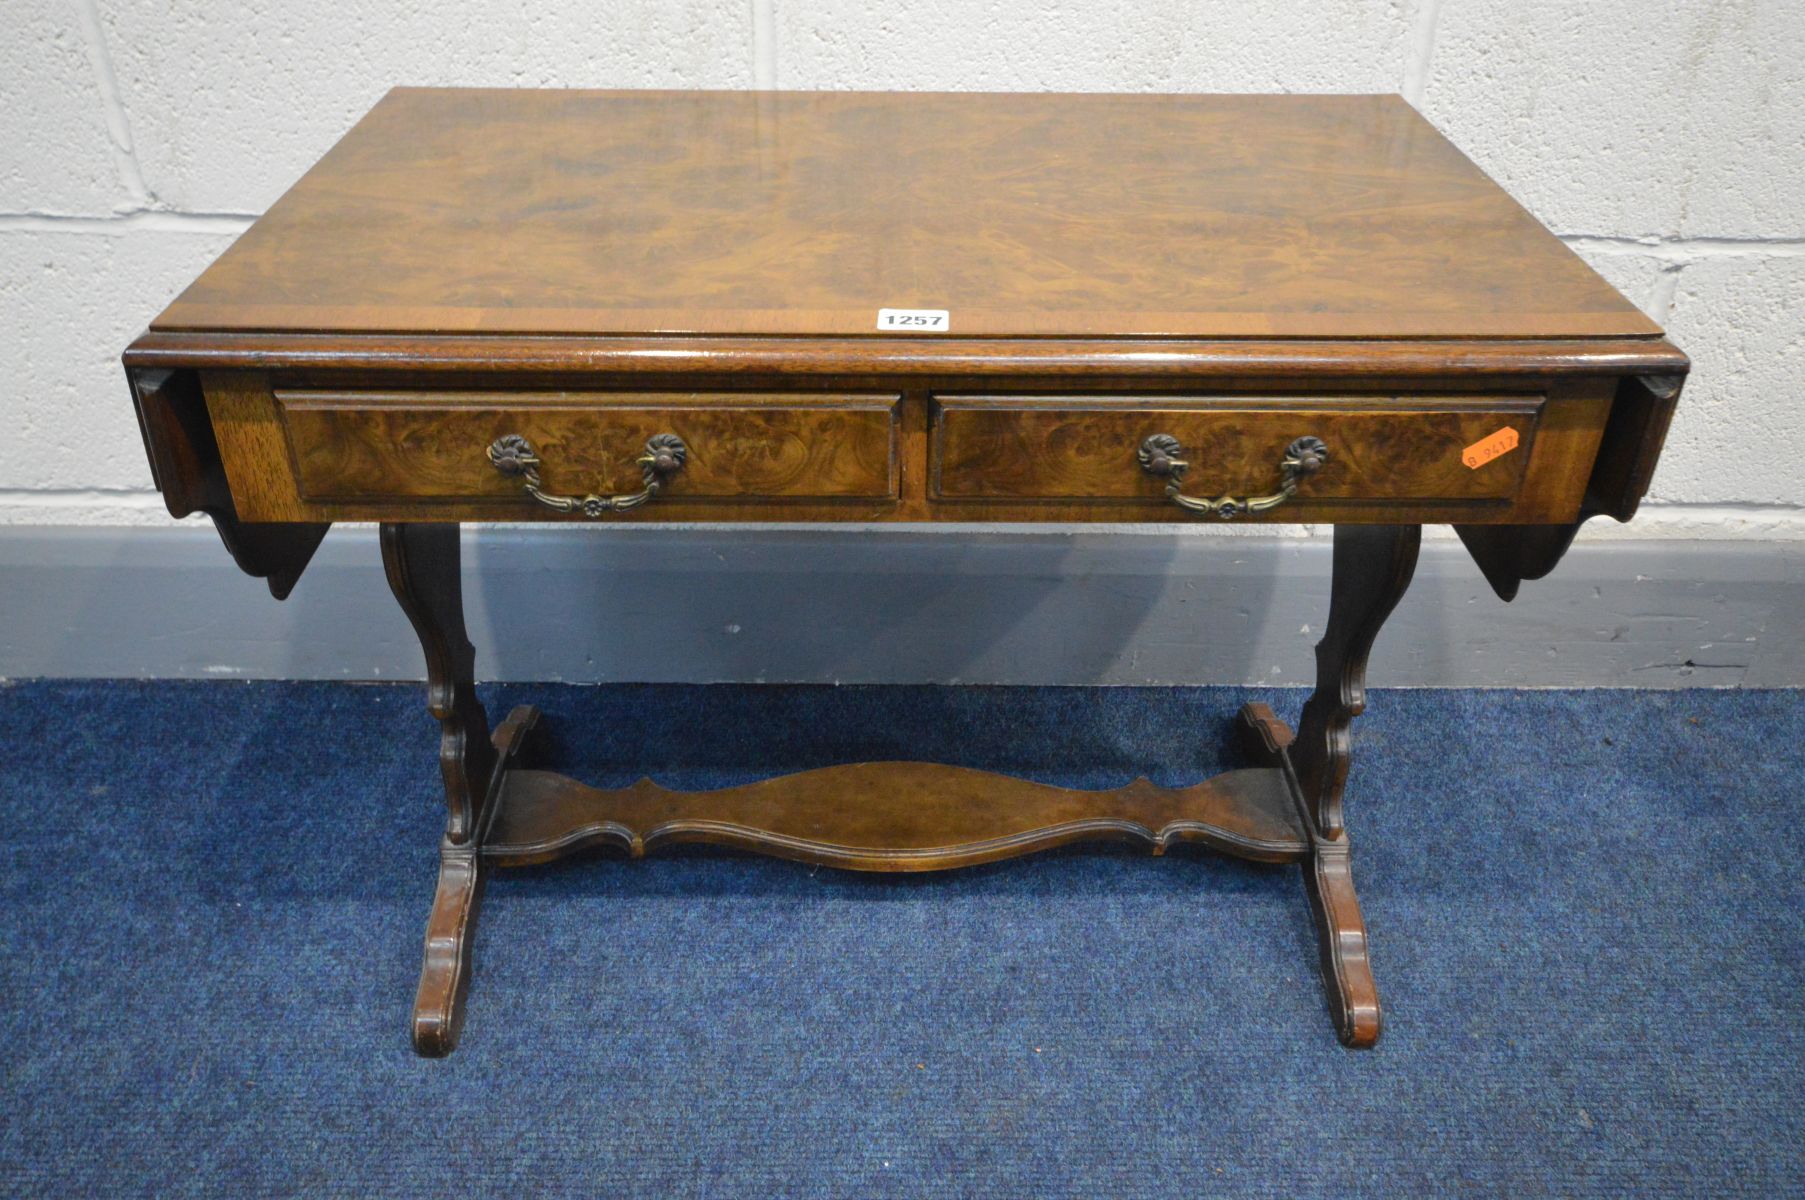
[1487,448]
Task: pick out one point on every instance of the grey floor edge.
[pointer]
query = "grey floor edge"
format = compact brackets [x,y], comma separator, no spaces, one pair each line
[899,606]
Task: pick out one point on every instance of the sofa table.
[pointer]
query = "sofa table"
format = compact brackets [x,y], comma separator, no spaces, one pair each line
[752,307]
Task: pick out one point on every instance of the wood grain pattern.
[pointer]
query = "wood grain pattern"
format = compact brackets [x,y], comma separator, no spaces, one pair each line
[422,566]
[1628,448]
[253,448]
[635,360]
[185,464]
[1347,970]
[1637,430]
[352,453]
[1382,449]
[1373,568]
[587,269]
[447,963]
[893,817]
[803,213]
[401,445]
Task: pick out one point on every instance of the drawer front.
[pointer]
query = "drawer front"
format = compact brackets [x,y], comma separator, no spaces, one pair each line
[1460,449]
[368,446]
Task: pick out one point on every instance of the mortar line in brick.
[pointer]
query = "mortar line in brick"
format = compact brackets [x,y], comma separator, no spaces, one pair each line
[1667,283]
[1736,506]
[27,494]
[1674,249]
[1684,249]
[1688,522]
[764,44]
[124,223]
[1421,51]
[119,129]
[24,506]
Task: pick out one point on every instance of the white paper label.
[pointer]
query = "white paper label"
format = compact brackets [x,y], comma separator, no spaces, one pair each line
[913,320]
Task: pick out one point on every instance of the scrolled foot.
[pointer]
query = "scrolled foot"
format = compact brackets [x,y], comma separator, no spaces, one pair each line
[1347,974]
[450,933]
[451,929]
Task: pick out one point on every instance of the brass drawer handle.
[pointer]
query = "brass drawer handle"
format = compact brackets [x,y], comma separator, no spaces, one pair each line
[1162,455]
[664,456]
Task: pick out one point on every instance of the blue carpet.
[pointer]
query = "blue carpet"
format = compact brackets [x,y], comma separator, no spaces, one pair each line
[1586,912]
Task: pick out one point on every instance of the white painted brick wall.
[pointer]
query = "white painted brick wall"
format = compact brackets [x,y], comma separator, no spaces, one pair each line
[1099,46]
[1664,139]
[1671,117]
[54,152]
[76,301]
[230,103]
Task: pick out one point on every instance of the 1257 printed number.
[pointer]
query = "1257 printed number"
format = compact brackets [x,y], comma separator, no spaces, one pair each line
[913,320]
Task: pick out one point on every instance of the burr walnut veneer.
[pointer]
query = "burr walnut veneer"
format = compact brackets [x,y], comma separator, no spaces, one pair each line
[750,307]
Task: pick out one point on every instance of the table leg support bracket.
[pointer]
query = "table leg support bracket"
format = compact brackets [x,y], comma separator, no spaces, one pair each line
[1347,973]
[451,927]
[900,816]
[892,816]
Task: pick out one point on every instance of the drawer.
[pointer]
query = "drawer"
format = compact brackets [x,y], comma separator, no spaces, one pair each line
[1458,449]
[363,446]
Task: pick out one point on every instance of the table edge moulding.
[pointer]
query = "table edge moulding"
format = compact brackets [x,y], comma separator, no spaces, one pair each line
[600,307]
